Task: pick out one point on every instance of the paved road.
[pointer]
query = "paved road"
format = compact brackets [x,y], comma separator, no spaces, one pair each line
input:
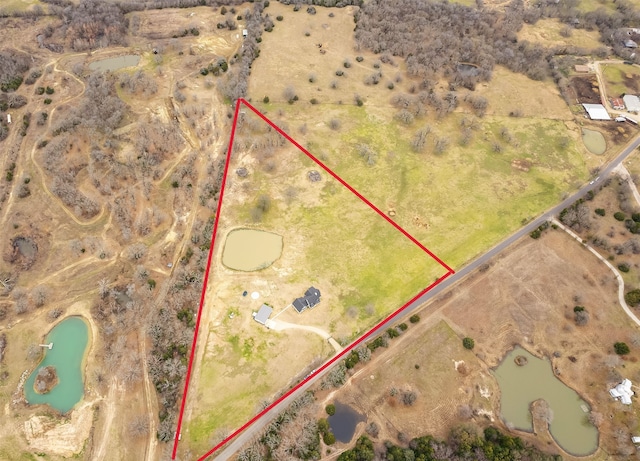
[255,428]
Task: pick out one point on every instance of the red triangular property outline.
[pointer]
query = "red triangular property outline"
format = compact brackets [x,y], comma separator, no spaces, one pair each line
[349,348]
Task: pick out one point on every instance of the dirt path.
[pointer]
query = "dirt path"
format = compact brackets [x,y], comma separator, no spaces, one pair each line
[150,450]
[623,303]
[279,325]
[110,410]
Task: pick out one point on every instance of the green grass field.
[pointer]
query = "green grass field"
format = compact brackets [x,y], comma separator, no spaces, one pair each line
[464,200]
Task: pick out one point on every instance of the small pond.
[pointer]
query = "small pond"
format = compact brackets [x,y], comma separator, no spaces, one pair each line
[521,385]
[344,421]
[115,63]
[594,141]
[70,338]
[250,249]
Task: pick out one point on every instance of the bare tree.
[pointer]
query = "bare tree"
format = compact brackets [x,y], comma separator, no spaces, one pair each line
[139,426]
[39,295]
[136,251]
[103,288]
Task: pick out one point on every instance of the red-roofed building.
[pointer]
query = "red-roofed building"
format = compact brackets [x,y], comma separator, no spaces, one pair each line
[617,103]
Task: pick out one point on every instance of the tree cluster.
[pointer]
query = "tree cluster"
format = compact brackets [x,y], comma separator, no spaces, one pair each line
[443,39]
[91,24]
[13,65]
[293,435]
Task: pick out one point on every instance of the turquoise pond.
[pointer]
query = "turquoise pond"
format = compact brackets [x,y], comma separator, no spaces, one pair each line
[70,339]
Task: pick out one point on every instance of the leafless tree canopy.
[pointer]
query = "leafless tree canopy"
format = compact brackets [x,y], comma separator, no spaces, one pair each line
[461,43]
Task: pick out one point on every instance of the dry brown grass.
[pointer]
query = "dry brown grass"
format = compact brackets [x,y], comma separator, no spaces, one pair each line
[547,33]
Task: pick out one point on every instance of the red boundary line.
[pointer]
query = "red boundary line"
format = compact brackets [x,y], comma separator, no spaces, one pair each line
[348,349]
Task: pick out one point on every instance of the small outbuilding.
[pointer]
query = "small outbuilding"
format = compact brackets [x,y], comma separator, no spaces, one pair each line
[596,111]
[630,44]
[632,102]
[622,392]
[263,314]
[582,68]
[9,119]
[617,103]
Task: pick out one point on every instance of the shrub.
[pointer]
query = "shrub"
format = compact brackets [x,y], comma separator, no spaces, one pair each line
[359,58]
[468,343]
[265,100]
[339,73]
[393,333]
[40,90]
[279,18]
[621,348]
[11,85]
[578,309]
[313,101]
[636,217]
[600,211]
[415,318]
[49,90]
[328,438]
[47,101]
[352,360]
[624,267]
[330,409]
[390,85]
[403,326]
[633,297]
[619,216]
[346,63]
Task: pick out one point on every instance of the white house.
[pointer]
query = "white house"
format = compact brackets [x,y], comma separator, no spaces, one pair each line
[622,392]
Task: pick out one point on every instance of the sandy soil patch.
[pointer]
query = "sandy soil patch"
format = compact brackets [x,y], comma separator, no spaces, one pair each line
[47,434]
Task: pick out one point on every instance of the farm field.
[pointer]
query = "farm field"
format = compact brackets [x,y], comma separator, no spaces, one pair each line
[364,268]
[510,169]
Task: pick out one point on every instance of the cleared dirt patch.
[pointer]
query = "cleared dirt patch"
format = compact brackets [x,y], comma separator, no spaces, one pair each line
[586,89]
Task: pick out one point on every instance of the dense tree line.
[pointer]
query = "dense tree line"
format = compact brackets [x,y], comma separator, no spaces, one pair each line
[434,38]
[171,327]
[235,82]
[464,443]
[325,3]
